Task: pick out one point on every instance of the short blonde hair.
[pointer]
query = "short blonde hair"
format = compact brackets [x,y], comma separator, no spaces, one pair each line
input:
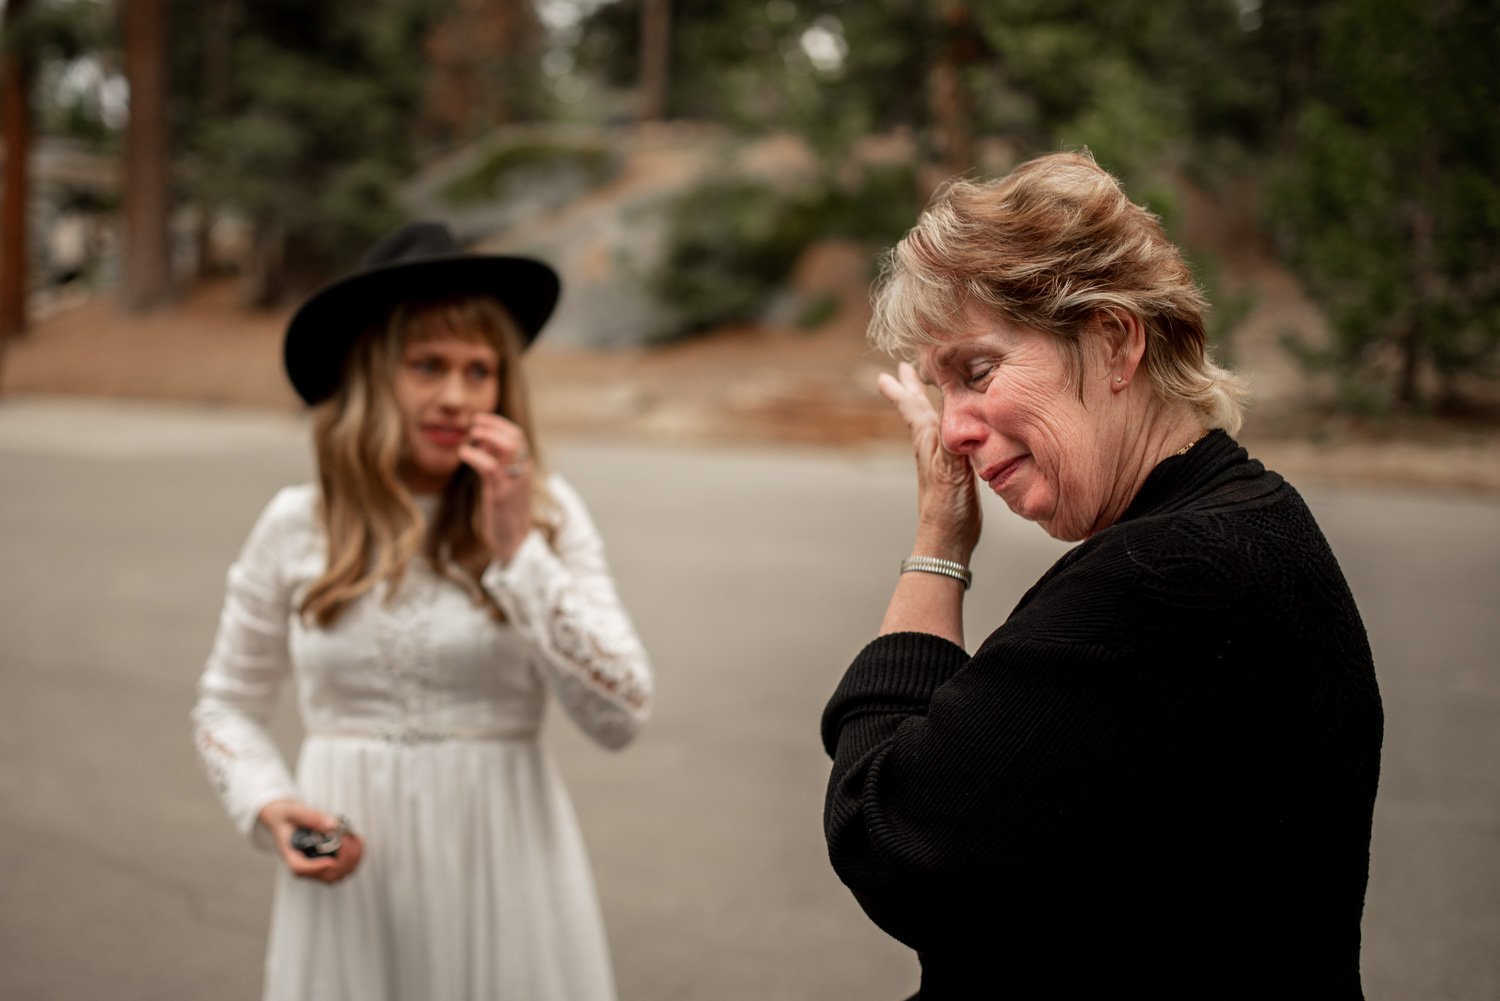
[1049,247]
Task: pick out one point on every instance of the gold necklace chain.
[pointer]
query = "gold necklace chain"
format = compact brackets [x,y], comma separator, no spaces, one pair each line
[1188,447]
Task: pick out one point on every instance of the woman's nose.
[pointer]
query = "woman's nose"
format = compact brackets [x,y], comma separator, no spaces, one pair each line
[960,429]
[451,391]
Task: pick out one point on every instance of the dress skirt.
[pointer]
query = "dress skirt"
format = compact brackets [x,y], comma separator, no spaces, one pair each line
[474,882]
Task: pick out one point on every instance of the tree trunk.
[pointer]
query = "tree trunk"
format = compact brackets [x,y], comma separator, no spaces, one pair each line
[265,272]
[483,64]
[1424,283]
[948,94]
[656,36]
[146,265]
[1411,356]
[218,26]
[15,127]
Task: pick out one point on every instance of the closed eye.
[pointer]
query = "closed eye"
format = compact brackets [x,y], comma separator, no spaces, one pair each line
[978,375]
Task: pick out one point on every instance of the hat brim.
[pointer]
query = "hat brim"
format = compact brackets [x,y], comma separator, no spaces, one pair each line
[326,325]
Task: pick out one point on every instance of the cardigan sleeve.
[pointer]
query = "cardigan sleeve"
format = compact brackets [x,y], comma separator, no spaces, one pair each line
[563,600]
[1137,673]
[951,772]
[246,668]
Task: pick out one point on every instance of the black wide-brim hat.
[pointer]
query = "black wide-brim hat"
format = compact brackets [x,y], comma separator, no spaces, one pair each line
[421,260]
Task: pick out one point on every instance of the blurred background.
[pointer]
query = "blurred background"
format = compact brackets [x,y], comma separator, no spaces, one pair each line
[715,180]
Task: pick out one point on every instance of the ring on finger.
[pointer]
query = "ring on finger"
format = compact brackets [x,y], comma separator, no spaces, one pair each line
[518,467]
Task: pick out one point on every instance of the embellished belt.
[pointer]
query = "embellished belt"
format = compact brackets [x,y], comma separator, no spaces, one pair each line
[408,736]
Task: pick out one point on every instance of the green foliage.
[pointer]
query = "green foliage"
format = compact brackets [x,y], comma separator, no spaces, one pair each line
[1370,121]
[1388,202]
[300,116]
[733,243]
[60,29]
[746,63]
[1133,79]
[1143,83]
[50,36]
[1229,309]
[818,311]
[511,167]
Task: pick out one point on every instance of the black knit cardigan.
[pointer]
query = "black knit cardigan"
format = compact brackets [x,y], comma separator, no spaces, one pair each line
[1158,773]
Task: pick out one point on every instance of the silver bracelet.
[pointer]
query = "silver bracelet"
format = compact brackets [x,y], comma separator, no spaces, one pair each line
[931,564]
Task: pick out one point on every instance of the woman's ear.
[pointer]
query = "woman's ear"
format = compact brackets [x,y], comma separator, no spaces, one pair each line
[1125,344]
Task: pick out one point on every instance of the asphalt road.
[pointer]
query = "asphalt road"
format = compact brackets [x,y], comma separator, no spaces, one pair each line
[753,577]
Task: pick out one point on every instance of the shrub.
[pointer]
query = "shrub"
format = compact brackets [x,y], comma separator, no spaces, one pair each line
[732,244]
[505,169]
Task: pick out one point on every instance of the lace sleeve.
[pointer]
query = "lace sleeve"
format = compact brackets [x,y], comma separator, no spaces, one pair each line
[564,603]
[238,689]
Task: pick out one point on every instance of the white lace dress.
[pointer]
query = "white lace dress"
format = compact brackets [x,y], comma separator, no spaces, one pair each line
[422,715]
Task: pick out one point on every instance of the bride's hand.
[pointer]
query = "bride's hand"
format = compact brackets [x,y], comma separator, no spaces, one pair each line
[283,816]
[499,453]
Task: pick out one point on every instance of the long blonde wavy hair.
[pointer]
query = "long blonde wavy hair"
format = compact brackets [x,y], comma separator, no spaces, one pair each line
[372,524]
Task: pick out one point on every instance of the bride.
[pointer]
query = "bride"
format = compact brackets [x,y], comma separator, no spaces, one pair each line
[427,593]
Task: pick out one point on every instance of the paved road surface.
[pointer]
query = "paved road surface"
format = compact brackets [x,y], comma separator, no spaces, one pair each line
[753,576]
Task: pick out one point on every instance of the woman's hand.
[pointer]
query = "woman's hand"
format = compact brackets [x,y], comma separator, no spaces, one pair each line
[499,453]
[948,515]
[283,816]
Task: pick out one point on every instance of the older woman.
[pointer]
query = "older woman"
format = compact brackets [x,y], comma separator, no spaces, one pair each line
[1158,772]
